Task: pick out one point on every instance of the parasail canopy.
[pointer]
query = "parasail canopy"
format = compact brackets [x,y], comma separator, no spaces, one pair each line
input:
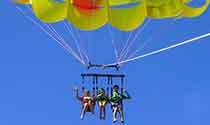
[125,15]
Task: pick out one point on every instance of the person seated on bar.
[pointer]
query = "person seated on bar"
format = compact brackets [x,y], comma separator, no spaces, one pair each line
[116,100]
[102,100]
[88,102]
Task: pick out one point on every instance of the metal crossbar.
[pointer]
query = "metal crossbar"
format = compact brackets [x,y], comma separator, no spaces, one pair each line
[102,75]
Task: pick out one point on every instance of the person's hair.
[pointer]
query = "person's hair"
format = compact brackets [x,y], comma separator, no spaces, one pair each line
[102,89]
[87,91]
[116,86]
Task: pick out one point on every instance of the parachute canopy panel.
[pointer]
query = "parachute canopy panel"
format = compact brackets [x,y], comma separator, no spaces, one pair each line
[125,15]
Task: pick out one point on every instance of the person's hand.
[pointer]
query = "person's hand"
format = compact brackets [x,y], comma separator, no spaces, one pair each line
[76,89]
[124,90]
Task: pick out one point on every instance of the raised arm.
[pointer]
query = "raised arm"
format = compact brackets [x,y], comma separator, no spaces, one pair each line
[126,95]
[76,90]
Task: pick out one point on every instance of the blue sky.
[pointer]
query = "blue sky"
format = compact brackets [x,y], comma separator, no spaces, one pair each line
[37,76]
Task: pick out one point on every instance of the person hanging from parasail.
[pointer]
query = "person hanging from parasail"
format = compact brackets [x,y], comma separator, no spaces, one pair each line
[116,101]
[102,100]
[88,102]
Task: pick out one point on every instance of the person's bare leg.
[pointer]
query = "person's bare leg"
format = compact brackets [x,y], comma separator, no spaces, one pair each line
[84,111]
[100,114]
[114,114]
[101,111]
[121,115]
[91,106]
[104,112]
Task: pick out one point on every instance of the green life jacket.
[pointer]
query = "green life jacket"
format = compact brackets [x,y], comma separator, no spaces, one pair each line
[116,97]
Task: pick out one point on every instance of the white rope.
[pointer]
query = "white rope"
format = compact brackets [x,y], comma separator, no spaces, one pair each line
[61,39]
[49,34]
[166,48]
[139,49]
[81,52]
[84,51]
[125,53]
[111,32]
[113,43]
[74,38]
[58,36]
[126,44]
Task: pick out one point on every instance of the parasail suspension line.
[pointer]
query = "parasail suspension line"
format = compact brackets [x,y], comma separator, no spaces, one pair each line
[70,51]
[195,39]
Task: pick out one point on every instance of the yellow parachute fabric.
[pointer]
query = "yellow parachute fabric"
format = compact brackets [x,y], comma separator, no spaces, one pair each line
[128,19]
[111,2]
[89,21]
[193,12]
[49,11]
[123,18]
[173,8]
